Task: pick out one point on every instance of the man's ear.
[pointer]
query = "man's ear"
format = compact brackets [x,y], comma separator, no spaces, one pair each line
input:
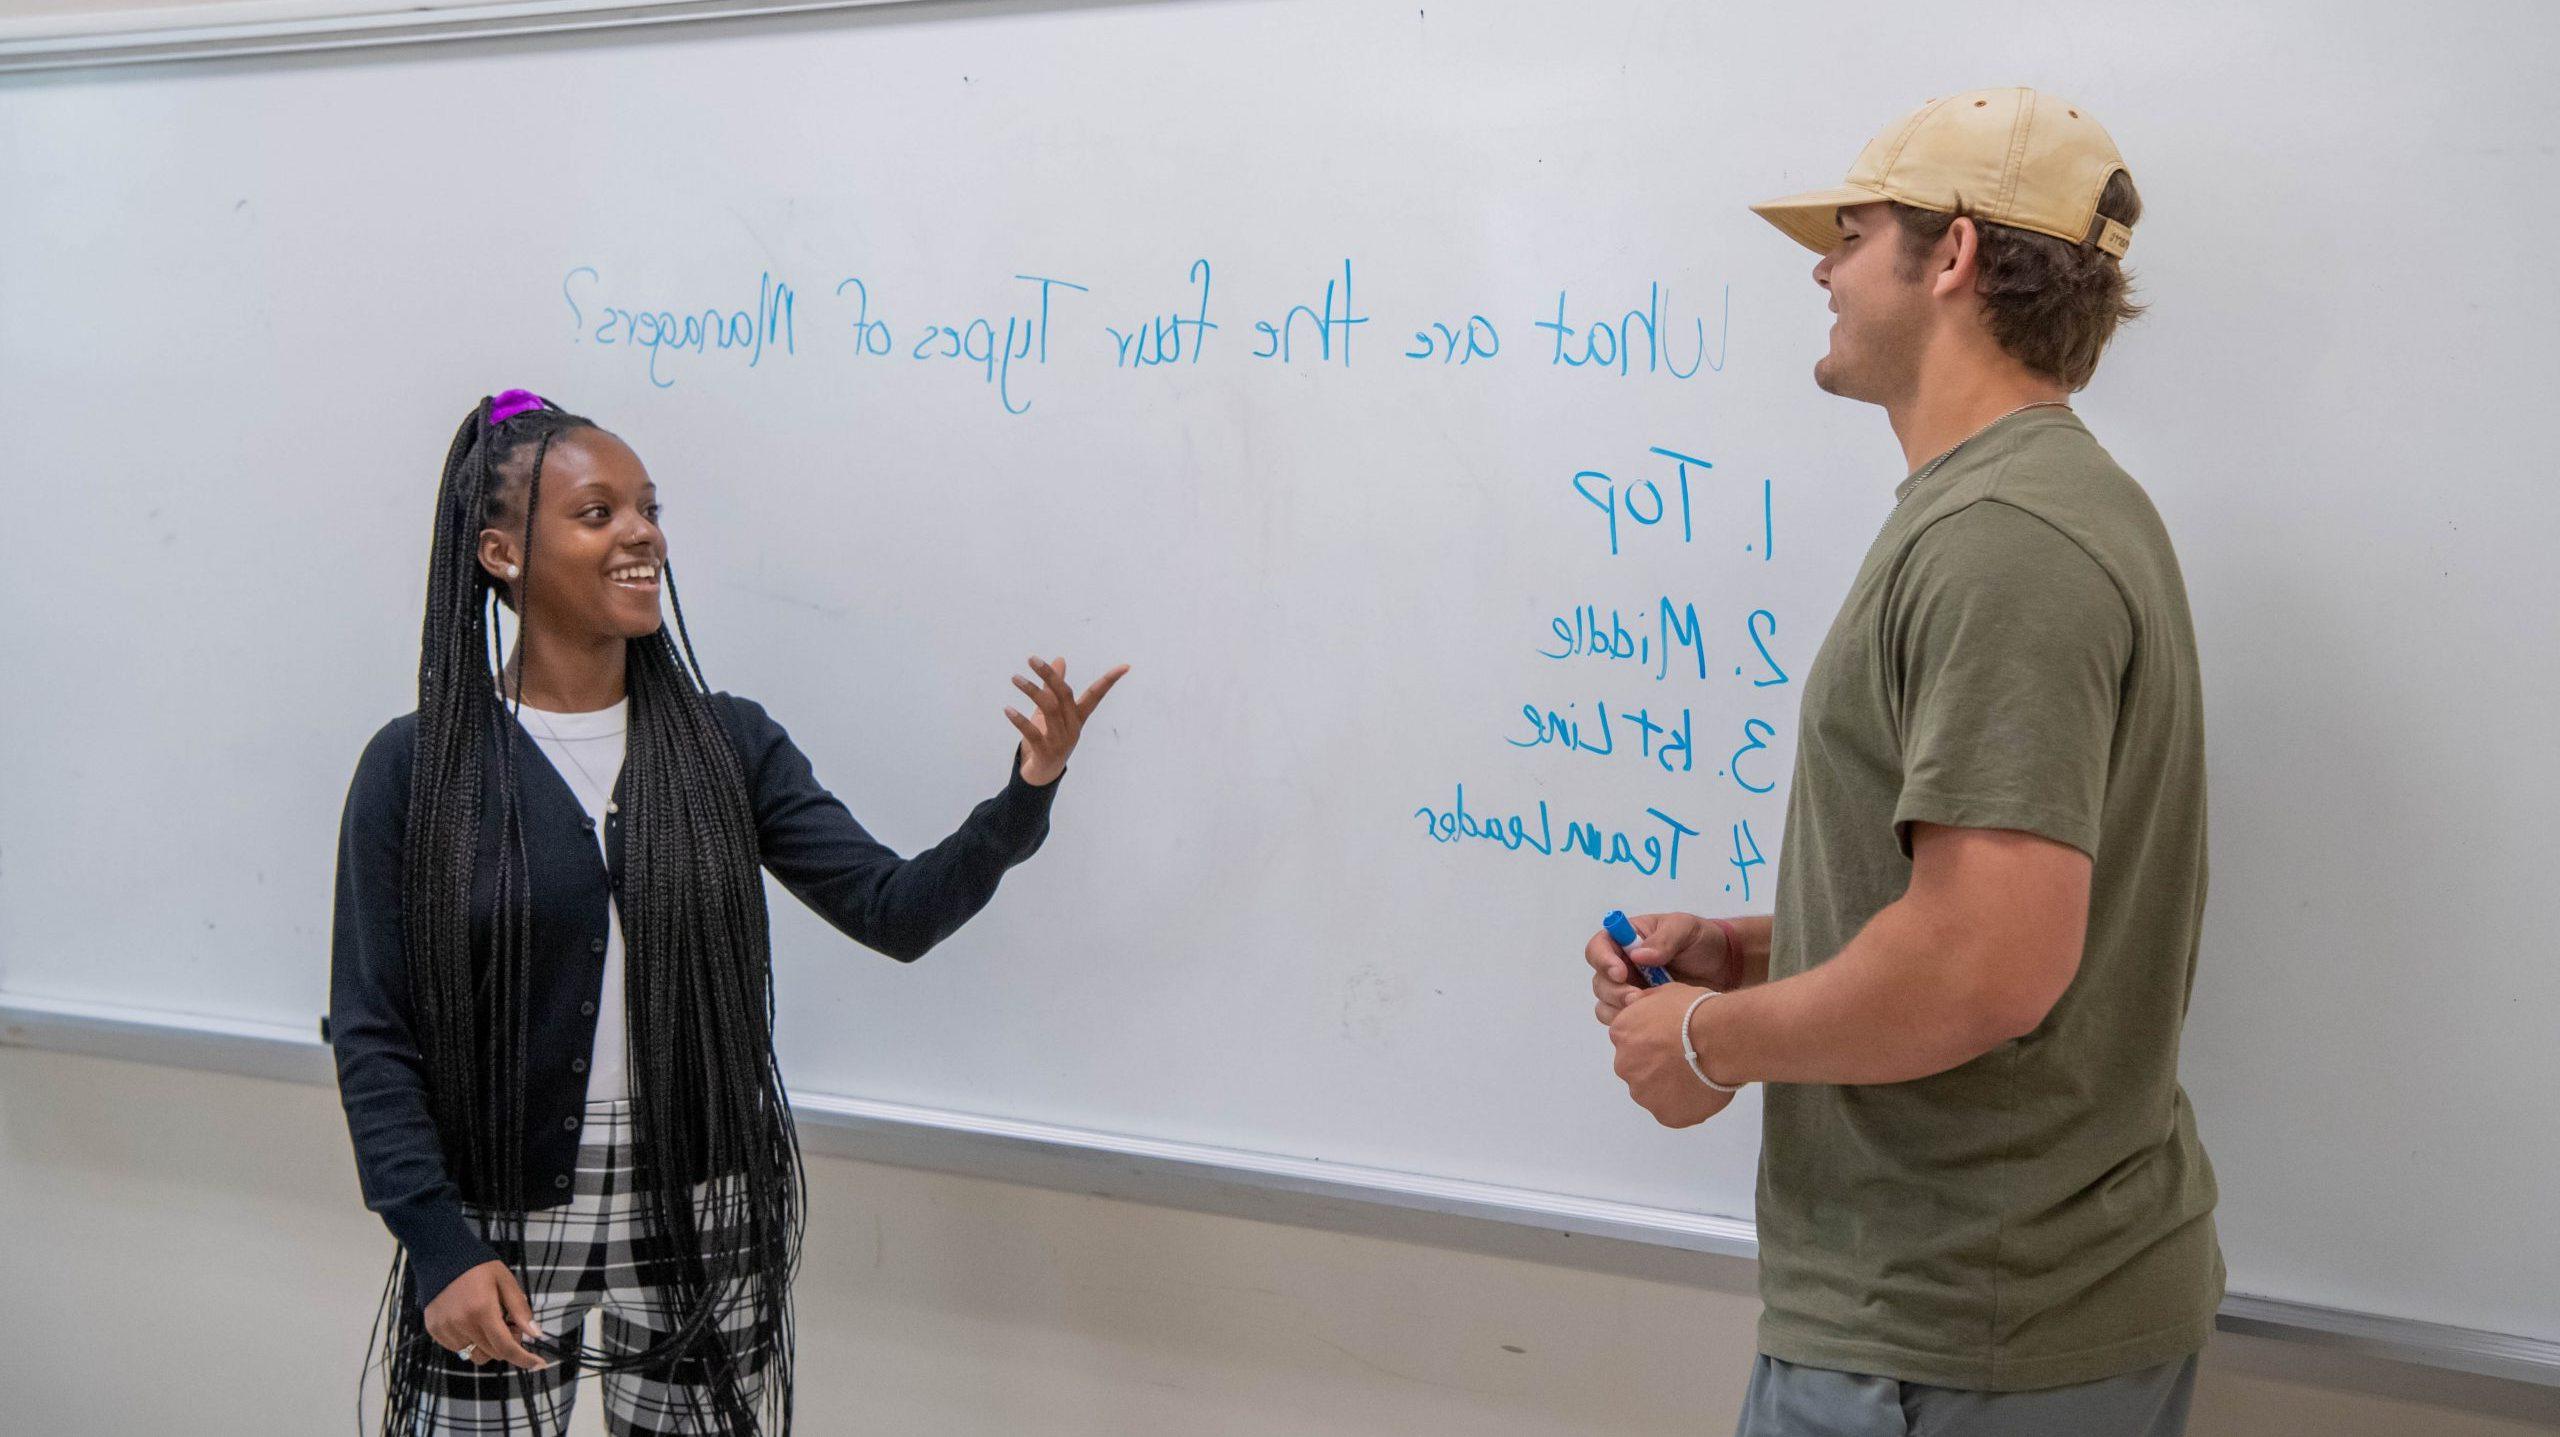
[1958,255]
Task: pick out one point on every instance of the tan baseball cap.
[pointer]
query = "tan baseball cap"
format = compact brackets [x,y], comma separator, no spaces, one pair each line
[2011,157]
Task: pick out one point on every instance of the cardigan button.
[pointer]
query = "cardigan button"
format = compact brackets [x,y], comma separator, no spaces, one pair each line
[588,824]
[569,1124]
[577,1065]
[587,1009]
[561,1181]
[595,945]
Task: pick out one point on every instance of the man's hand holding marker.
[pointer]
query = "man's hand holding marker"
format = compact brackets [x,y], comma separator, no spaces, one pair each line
[1650,976]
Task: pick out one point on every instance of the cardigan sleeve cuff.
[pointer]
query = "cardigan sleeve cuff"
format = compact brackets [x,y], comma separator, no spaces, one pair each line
[442,1244]
[1018,818]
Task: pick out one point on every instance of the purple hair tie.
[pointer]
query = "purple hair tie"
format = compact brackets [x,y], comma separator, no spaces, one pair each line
[512,403]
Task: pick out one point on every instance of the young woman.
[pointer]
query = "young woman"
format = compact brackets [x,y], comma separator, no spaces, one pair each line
[550,996]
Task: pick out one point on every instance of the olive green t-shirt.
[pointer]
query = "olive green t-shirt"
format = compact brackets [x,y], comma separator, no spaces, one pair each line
[2015,653]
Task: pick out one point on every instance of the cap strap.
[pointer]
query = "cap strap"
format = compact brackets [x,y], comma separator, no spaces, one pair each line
[2115,239]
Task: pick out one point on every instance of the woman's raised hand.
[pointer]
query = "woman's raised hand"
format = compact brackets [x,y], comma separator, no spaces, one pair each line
[1050,737]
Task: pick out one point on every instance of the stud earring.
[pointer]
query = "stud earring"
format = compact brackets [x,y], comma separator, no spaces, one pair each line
[511,571]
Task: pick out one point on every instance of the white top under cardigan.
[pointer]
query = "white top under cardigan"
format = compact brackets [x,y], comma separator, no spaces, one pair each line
[586,750]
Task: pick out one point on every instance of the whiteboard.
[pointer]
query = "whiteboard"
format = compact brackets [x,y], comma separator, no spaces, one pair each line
[246,301]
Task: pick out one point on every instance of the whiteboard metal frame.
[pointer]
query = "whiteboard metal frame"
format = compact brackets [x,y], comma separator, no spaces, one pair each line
[1658,1242]
[226,29]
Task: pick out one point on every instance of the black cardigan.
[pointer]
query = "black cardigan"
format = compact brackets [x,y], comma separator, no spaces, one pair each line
[808,840]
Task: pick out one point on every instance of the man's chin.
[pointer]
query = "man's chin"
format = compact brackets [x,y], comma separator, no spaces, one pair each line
[1833,377]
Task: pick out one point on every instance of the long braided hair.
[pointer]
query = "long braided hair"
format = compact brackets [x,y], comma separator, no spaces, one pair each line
[718,1165]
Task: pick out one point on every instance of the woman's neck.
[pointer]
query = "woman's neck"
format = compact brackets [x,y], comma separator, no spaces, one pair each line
[557,677]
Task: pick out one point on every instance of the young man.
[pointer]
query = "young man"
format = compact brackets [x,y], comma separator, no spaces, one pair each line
[1983,1208]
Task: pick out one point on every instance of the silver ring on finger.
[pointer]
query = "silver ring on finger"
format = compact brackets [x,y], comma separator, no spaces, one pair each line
[466,1350]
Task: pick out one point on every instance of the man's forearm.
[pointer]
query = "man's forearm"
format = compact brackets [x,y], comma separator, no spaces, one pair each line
[1754,933]
[1889,1008]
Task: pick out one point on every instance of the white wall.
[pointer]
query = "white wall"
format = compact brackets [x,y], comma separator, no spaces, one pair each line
[185,1252]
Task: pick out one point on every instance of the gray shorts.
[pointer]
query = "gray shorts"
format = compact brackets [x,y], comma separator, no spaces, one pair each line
[1786,1400]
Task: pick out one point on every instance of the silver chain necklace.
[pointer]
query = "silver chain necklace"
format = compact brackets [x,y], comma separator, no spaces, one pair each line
[1931,467]
[611,804]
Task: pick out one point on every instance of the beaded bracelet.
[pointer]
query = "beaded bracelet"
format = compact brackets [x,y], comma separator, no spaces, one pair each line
[1689,1045]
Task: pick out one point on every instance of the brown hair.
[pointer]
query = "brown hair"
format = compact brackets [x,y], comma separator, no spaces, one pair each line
[2051,304]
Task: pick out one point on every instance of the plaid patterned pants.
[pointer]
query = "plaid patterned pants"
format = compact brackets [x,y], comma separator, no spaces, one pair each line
[600,1251]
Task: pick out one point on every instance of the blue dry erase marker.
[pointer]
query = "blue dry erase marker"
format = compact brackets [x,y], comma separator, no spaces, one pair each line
[1623,933]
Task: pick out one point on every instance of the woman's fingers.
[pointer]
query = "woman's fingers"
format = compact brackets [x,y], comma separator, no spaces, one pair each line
[467,1338]
[1093,696]
[463,1336]
[1053,675]
[1038,695]
[1062,710]
[496,1341]
[1052,707]
[1045,734]
[513,1306]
